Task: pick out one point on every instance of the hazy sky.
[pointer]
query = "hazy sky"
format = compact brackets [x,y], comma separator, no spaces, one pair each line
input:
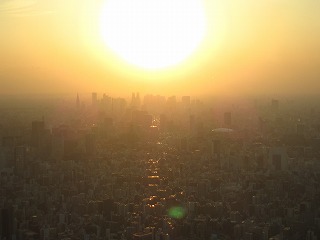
[266,46]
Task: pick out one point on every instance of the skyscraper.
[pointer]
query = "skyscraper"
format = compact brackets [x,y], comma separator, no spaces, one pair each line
[78,102]
[94,98]
[275,105]
[135,100]
[20,153]
[6,223]
[37,132]
[185,101]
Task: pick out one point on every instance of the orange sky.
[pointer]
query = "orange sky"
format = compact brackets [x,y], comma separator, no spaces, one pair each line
[267,46]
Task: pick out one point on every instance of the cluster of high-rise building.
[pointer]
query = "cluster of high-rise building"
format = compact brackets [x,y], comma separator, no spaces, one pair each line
[160,168]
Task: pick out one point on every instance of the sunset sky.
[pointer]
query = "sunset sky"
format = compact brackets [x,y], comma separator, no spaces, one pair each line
[249,47]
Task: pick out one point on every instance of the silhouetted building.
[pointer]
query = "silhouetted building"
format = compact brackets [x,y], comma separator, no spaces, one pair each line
[138,100]
[107,208]
[142,118]
[78,102]
[37,133]
[90,143]
[20,154]
[278,159]
[6,223]
[274,105]
[192,123]
[94,98]
[216,146]
[172,102]
[135,100]
[185,101]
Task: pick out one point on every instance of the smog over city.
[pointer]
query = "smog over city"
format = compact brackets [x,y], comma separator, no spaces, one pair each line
[159,120]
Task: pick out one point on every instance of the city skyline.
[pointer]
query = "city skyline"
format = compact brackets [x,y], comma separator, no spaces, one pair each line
[159,120]
[158,168]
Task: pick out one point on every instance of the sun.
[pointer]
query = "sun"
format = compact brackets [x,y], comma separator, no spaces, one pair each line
[153,34]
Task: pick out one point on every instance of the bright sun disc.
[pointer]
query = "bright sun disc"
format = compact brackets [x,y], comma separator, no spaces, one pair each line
[153,34]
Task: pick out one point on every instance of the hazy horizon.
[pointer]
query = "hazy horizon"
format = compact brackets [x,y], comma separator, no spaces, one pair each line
[265,47]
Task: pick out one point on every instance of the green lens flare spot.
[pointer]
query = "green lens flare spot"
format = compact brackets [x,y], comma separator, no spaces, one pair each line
[177,212]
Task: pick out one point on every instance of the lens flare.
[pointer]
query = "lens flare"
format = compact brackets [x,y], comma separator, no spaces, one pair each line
[177,212]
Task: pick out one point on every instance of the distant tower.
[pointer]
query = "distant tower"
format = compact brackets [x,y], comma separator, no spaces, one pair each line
[192,123]
[278,158]
[138,101]
[216,148]
[90,143]
[172,102]
[275,105]
[37,131]
[133,99]
[20,153]
[94,99]
[78,101]
[186,101]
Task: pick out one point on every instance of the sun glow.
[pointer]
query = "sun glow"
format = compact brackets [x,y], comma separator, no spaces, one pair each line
[153,34]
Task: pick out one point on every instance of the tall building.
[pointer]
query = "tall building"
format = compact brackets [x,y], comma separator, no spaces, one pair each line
[192,123]
[142,118]
[6,223]
[7,151]
[94,98]
[106,103]
[118,106]
[37,133]
[135,100]
[274,105]
[90,144]
[311,235]
[278,159]
[20,154]
[185,101]
[107,207]
[171,103]
[78,102]
[138,100]
[216,148]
